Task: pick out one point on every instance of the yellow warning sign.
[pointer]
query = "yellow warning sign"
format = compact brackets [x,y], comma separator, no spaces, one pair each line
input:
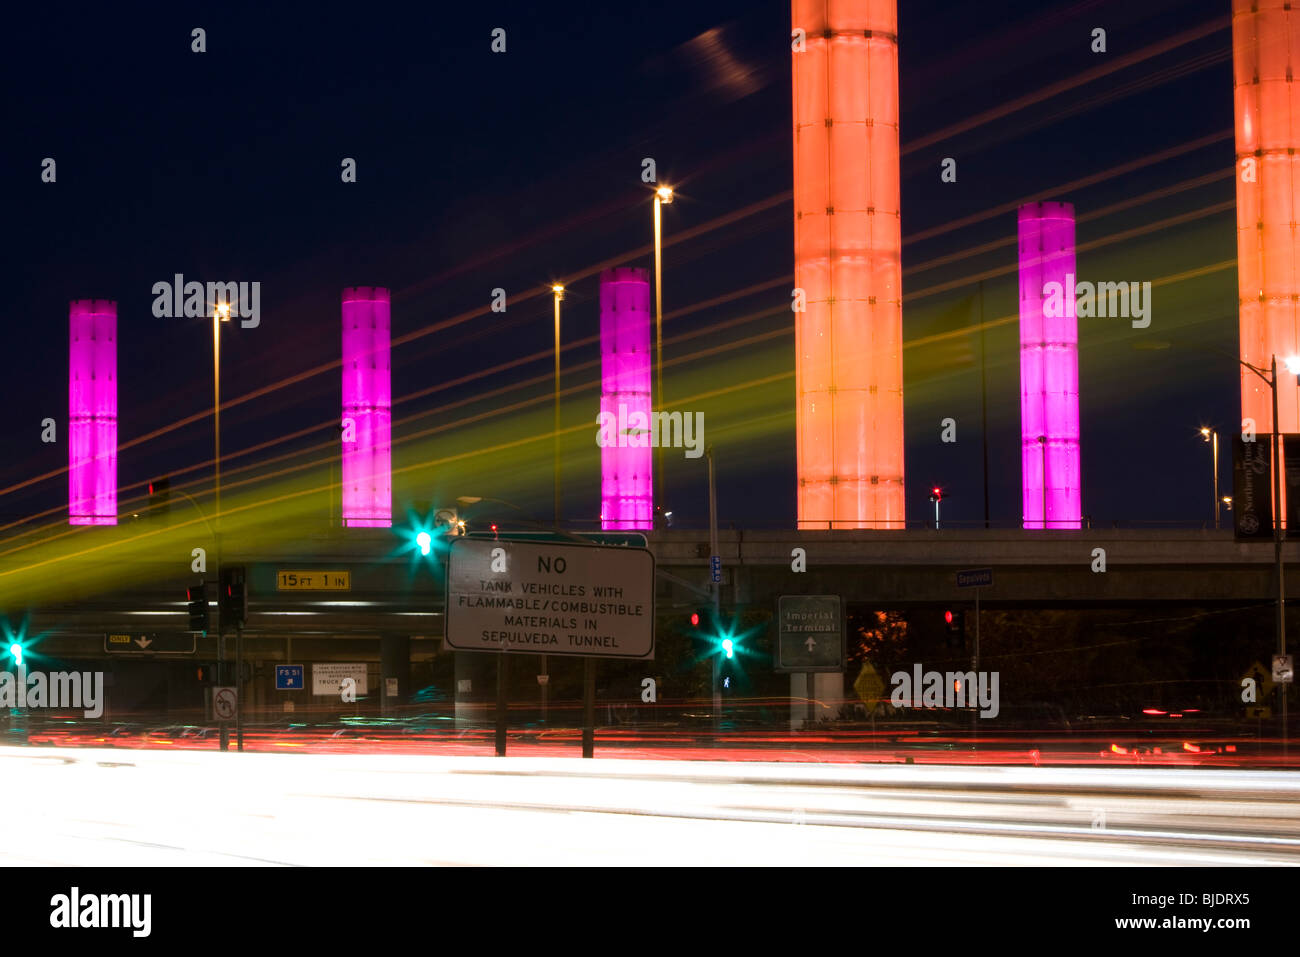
[869,686]
[313,580]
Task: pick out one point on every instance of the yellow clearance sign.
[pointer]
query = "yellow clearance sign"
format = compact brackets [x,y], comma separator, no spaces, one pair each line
[313,580]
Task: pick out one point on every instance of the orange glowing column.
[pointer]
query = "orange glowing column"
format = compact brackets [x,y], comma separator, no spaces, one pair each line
[847,261]
[1265,58]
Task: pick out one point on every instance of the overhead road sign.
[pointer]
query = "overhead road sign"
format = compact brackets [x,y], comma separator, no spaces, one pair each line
[288,678]
[810,633]
[137,643]
[313,579]
[551,598]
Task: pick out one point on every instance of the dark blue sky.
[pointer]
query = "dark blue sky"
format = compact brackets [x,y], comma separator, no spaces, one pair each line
[478,170]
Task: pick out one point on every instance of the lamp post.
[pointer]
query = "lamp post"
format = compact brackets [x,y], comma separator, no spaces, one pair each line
[1293,365]
[557,291]
[663,197]
[220,314]
[1212,436]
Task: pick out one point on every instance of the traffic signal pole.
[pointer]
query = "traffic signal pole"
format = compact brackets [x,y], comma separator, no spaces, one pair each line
[239,687]
[714,587]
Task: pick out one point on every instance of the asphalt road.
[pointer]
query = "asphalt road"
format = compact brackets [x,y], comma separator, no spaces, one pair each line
[107,807]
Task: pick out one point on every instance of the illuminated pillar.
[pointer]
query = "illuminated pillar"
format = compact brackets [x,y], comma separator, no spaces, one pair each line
[367,409]
[1266,58]
[92,412]
[847,248]
[626,493]
[1049,367]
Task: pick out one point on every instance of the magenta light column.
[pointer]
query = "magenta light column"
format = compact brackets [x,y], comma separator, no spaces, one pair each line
[92,412]
[1049,367]
[626,493]
[367,409]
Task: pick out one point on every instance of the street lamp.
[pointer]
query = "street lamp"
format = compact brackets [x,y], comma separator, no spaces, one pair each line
[557,291]
[663,196]
[936,496]
[220,314]
[1293,365]
[1212,436]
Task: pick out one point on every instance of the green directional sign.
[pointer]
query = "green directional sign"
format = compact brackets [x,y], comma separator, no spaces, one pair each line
[810,633]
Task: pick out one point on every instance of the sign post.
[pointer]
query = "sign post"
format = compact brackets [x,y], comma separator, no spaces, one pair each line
[977,578]
[551,598]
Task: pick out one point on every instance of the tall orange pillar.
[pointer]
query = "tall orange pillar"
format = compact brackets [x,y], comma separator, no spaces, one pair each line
[847,264]
[1266,96]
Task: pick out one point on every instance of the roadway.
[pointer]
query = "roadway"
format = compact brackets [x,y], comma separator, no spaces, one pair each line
[104,807]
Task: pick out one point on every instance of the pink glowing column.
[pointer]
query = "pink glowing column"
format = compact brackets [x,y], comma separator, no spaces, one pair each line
[92,412]
[367,409]
[1049,367]
[626,496]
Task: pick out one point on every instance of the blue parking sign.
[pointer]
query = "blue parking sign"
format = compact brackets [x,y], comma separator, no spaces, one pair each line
[288,677]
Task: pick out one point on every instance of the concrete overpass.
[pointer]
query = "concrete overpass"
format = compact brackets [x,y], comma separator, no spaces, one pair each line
[391,614]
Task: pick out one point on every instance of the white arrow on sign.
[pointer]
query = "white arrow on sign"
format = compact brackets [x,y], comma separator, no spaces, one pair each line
[144,642]
[811,644]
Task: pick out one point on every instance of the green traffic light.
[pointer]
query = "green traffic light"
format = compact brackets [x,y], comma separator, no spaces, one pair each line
[425,541]
[16,653]
[728,647]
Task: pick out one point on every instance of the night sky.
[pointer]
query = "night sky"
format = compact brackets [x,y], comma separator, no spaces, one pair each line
[479,170]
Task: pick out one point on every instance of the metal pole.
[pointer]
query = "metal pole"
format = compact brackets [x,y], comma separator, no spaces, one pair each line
[984,409]
[1277,547]
[501,703]
[1215,437]
[239,688]
[216,495]
[588,707]
[975,719]
[1042,441]
[559,294]
[658,403]
[714,586]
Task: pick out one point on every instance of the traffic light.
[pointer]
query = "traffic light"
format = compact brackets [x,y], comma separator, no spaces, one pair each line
[160,496]
[714,634]
[936,494]
[955,623]
[233,597]
[197,596]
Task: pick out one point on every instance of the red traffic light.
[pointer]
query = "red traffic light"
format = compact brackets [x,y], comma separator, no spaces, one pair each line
[947,616]
[695,619]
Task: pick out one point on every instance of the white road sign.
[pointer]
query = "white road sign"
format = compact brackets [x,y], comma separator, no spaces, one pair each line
[550,598]
[327,677]
[224,703]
